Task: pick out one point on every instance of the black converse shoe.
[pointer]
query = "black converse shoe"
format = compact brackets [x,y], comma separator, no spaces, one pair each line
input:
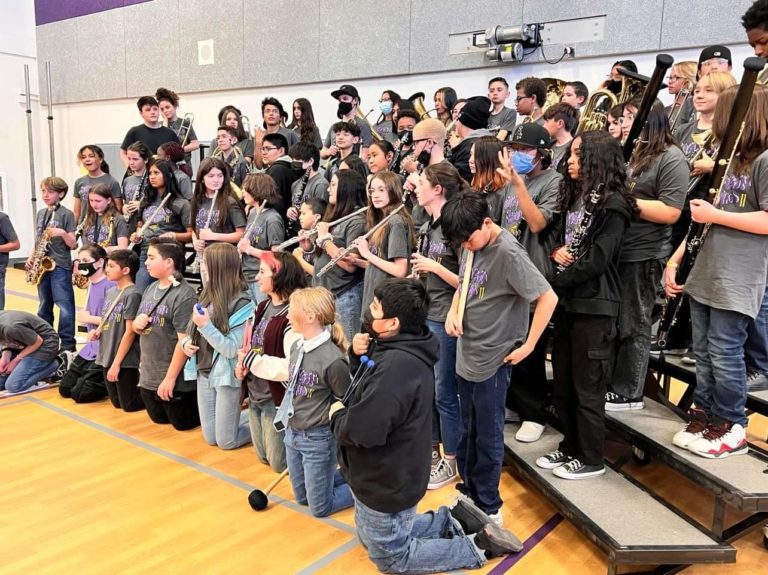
[497,541]
[552,459]
[575,469]
[616,402]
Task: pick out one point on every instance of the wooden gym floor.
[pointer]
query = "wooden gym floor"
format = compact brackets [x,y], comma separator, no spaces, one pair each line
[87,489]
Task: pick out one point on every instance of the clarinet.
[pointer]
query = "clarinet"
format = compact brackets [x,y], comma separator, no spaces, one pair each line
[139,192]
[422,248]
[697,233]
[406,140]
[580,235]
[293,225]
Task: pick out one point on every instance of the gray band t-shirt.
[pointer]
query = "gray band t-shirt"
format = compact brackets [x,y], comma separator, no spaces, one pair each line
[264,231]
[438,248]
[61,218]
[7,234]
[732,266]
[503,282]
[18,329]
[504,120]
[112,333]
[395,243]
[336,279]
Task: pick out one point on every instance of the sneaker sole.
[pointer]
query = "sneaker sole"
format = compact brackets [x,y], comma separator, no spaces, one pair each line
[624,407]
[501,545]
[682,445]
[549,465]
[724,454]
[574,476]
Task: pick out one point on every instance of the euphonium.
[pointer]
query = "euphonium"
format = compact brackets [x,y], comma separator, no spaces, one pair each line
[595,113]
[41,263]
[360,116]
[555,89]
[417,100]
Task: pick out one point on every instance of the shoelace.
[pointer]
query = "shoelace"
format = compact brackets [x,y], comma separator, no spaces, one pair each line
[714,432]
[555,455]
[440,466]
[695,426]
[573,465]
[610,396]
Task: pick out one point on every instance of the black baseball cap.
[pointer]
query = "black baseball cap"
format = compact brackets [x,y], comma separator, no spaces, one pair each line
[715,52]
[347,89]
[531,135]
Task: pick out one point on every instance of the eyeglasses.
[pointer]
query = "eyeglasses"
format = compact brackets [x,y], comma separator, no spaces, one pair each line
[675,78]
[713,61]
[522,98]
[268,148]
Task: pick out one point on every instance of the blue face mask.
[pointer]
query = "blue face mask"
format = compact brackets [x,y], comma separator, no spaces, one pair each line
[522,162]
[385,107]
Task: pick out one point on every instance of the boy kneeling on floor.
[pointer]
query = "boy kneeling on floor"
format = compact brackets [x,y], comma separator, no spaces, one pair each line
[383,429]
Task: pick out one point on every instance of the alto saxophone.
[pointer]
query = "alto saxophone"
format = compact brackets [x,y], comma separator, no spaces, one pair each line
[41,263]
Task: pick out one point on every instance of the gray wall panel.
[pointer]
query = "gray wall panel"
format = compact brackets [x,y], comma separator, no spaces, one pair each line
[265,37]
[57,43]
[702,22]
[152,47]
[101,51]
[221,21]
[433,20]
[629,26]
[363,38]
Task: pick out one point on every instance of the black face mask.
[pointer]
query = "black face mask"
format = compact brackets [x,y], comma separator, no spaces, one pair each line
[344,109]
[405,137]
[614,86]
[424,157]
[367,324]
[87,270]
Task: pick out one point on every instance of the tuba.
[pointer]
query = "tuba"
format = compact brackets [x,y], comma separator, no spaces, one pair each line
[555,89]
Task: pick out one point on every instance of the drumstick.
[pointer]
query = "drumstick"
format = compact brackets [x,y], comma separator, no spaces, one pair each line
[465,287]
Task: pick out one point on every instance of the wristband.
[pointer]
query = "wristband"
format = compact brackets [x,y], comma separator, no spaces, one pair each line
[673,265]
[320,242]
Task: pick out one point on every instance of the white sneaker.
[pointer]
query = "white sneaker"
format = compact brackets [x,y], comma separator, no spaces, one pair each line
[529,432]
[719,441]
[497,518]
[693,430]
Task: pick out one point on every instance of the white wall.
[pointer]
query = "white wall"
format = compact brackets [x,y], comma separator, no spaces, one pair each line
[17,47]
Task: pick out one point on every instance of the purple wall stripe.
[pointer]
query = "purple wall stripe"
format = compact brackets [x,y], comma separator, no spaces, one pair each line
[528,544]
[47,11]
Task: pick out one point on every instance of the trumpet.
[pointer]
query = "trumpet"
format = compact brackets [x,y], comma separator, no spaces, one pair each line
[185,128]
[313,232]
[346,251]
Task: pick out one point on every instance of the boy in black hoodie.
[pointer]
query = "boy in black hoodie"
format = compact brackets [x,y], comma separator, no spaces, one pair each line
[274,155]
[587,282]
[384,436]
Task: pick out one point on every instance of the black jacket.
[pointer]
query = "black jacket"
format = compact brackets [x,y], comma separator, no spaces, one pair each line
[591,284]
[460,154]
[385,433]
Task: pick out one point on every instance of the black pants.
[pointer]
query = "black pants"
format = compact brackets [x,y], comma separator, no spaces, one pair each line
[529,391]
[83,382]
[581,358]
[181,411]
[124,393]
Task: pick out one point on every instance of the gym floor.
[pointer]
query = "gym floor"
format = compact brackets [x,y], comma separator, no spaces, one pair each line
[87,489]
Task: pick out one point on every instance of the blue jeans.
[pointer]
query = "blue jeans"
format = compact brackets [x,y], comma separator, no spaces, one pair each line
[143,279]
[721,377]
[410,542]
[255,292]
[224,423]
[756,349]
[311,457]
[348,307]
[445,426]
[267,442]
[56,288]
[27,373]
[481,438]
[2,286]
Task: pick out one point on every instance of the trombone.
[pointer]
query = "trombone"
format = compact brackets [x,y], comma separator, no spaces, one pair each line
[676,111]
[185,128]
[364,119]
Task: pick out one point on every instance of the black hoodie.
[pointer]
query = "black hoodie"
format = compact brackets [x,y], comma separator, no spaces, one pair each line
[284,175]
[591,284]
[385,433]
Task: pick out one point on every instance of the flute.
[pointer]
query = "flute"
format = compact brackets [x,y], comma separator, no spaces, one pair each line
[140,233]
[343,253]
[252,225]
[313,232]
[105,318]
[195,269]
[465,287]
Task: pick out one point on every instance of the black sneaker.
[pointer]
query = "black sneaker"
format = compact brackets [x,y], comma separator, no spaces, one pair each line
[553,459]
[688,359]
[656,350]
[616,402]
[575,469]
[469,515]
[756,381]
[497,541]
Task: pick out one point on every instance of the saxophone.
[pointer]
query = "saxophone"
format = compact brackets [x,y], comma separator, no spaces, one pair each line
[41,263]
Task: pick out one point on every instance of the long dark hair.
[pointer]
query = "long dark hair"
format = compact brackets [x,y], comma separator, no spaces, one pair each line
[99,154]
[350,195]
[222,200]
[601,163]
[487,150]
[307,125]
[224,112]
[655,137]
[169,182]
